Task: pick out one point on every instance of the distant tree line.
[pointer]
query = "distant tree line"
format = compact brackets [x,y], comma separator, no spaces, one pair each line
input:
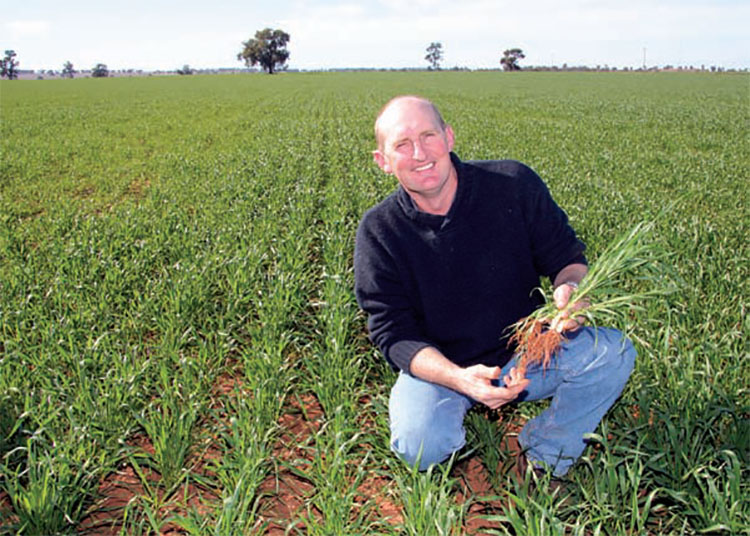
[509,61]
[268,50]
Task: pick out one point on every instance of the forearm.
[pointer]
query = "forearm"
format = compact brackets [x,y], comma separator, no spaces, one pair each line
[431,365]
[573,273]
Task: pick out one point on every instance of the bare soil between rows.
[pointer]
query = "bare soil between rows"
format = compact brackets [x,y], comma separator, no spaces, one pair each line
[285,493]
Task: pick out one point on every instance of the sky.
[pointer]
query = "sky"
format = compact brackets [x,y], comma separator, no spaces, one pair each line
[167,34]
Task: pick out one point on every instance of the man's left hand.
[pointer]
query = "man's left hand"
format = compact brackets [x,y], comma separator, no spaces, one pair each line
[567,321]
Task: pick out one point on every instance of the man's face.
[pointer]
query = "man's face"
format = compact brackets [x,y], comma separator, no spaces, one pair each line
[415,148]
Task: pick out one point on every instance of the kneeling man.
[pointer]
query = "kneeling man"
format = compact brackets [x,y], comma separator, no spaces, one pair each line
[444,265]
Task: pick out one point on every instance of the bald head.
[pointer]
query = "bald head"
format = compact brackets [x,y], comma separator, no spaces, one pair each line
[393,108]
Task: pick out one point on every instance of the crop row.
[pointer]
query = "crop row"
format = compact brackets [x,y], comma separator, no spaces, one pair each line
[180,348]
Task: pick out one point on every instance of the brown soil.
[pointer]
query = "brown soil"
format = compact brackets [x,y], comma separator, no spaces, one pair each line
[380,488]
[138,187]
[475,486]
[121,487]
[5,509]
[285,493]
[84,192]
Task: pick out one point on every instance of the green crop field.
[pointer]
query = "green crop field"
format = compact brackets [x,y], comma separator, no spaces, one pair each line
[181,351]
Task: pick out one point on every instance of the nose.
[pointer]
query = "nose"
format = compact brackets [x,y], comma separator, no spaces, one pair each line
[418,151]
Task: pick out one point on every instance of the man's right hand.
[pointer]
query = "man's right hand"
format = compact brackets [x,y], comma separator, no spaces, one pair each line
[476,382]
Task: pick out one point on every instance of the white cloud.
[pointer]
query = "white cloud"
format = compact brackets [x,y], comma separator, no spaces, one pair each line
[475,32]
[384,33]
[19,29]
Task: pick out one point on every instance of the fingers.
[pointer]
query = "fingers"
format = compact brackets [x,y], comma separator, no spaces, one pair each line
[495,372]
[515,383]
[490,373]
[569,324]
[492,396]
[570,320]
[517,386]
[562,295]
[580,305]
[513,377]
[504,395]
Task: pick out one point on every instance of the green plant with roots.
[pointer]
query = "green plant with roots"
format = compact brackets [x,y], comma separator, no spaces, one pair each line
[602,297]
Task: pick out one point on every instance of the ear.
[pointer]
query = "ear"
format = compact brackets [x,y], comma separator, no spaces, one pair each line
[380,160]
[450,136]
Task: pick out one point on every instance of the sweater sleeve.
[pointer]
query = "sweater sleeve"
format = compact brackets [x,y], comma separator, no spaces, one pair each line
[553,241]
[393,322]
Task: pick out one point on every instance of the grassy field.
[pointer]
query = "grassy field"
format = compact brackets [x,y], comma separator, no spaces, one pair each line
[181,351]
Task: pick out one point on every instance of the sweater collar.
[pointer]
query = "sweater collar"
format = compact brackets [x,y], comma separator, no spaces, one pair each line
[435,221]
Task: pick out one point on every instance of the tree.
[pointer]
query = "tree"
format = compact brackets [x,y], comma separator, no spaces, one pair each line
[510,58]
[8,65]
[100,71]
[267,49]
[434,55]
[185,70]
[68,71]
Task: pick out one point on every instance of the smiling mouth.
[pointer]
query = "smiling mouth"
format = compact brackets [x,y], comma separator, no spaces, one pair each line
[425,167]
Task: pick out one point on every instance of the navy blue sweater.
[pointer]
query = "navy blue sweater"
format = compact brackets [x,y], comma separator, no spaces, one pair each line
[457,281]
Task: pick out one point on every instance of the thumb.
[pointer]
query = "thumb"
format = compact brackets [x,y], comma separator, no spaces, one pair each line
[561,296]
[493,372]
[483,371]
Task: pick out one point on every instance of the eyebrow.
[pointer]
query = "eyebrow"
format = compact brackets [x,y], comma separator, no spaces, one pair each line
[406,138]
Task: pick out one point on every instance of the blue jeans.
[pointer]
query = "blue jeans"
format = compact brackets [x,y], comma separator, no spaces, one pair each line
[584,379]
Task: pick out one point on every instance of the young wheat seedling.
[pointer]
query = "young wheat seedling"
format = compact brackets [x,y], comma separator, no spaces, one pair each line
[598,298]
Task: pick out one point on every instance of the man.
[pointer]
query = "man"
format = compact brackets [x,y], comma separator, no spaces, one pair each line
[444,265]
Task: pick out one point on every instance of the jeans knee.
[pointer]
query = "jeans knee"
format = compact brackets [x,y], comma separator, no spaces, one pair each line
[629,354]
[621,348]
[426,421]
[425,446]
[620,353]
